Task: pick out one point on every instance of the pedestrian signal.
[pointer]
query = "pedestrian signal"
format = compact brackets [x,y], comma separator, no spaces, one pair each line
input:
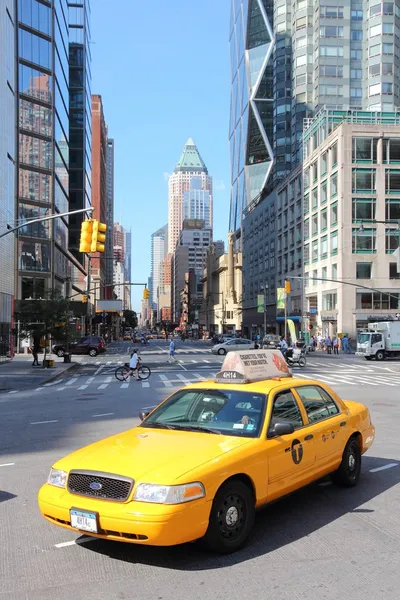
[86,236]
[98,236]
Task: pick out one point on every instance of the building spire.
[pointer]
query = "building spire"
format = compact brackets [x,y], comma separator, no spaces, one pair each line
[190,159]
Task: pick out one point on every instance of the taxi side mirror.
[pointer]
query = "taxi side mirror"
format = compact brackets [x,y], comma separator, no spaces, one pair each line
[280,429]
[143,414]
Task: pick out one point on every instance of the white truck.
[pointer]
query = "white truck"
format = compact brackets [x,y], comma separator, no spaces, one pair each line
[381,340]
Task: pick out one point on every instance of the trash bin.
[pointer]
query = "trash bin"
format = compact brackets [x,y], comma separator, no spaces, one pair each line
[48,363]
[67,357]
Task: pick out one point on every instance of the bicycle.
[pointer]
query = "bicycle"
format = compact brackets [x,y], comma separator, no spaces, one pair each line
[122,373]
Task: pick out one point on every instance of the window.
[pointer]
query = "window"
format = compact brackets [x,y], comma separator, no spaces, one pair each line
[387,68]
[375,50]
[331,71]
[356,35]
[364,150]
[317,403]
[306,254]
[329,301]
[334,271]
[392,210]
[391,150]
[377,301]
[331,50]
[331,31]
[356,54]
[363,241]
[375,10]
[375,90]
[306,229]
[355,92]
[324,194]
[324,273]
[34,151]
[387,48]
[33,256]
[387,88]
[388,8]
[302,22]
[334,243]
[393,274]
[34,49]
[285,410]
[301,60]
[314,199]
[324,163]
[356,15]
[375,30]
[363,270]
[392,240]
[314,230]
[364,180]
[374,70]
[36,230]
[334,214]
[356,73]
[314,170]
[315,251]
[301,79]
[363,209]
[324,219]
[387,28]
[332,12]
[334,155]
[331,90]
[364,300]
[334,186]
[324,246]
[392,178]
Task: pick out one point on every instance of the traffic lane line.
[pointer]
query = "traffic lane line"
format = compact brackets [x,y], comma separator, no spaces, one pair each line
[78,541]
[43,422]
[7,465]
[103,415]
[384,467]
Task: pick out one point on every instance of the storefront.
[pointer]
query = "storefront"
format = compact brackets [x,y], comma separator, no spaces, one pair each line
[329,323]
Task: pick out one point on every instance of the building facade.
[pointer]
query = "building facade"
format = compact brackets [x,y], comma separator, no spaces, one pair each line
[159,246]
[109,217]
[8,161]
[351,226]
[189,166]
[197,202]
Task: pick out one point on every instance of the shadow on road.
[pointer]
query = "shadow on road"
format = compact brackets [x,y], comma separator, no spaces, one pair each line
[4,496]
[289,520]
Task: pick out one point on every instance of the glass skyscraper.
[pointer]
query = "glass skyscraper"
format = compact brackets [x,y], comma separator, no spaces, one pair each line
[197,202]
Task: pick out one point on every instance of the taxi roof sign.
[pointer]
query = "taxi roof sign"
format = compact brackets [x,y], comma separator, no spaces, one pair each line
[249,366]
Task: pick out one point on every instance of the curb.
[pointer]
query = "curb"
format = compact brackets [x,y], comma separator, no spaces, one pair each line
[45,381]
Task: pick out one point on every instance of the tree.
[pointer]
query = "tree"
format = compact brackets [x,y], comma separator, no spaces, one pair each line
[44,318]
[130,318]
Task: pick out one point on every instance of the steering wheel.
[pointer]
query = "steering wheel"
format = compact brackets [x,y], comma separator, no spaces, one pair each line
[250,421]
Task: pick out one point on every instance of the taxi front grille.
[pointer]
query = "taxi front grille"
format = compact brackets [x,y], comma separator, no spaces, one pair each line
[104,486]
[105,532]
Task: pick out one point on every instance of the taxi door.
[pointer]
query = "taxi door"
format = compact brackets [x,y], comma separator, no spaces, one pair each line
[290,457]
[326,423]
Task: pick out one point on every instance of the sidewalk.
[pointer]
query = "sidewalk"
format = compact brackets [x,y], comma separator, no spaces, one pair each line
[18,374]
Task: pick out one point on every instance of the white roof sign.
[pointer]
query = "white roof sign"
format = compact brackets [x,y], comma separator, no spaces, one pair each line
[249,366]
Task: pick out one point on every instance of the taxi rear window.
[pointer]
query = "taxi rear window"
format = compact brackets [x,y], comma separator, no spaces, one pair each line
[227,412]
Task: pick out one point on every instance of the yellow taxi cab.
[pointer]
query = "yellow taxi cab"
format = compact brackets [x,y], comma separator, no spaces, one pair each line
[202,462]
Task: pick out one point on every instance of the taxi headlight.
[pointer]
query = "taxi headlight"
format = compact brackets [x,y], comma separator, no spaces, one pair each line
[169,494]
[57,478]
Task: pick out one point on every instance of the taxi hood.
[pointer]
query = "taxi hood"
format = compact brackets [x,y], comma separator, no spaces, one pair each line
[152,455]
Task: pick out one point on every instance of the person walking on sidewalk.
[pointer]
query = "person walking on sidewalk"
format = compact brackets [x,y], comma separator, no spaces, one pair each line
[171,351]
[345,343]
[335,343]
[328,344]
[35,351]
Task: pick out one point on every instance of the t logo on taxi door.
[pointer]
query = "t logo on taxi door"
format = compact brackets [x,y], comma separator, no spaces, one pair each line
[297,452]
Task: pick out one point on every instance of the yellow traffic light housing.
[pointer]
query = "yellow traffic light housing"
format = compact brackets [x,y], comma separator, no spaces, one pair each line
[84,298]
[98,236]
[86,236]
[146,294]
[287,287]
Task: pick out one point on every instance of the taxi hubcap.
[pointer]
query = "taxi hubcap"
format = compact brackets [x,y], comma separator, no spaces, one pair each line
[352,462]
[232,515]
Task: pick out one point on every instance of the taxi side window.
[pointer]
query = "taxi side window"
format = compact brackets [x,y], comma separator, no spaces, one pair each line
[286,410]
[317,403]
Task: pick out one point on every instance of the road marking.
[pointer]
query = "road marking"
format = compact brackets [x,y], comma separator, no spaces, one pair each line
[13,391]
[193,361]
[206,361]
[53,383]
[145,384]
[389,466]
[199,376]
[165,380]
[103,415]
[182,378]
[381,380]
[7,465]
[99,369]
[38,389]
[89,380]
[108,380]
[125,385]
[108,362]
[71,381]
[60,389]
[42,422]
[82,387]
[83,540]
[102,386]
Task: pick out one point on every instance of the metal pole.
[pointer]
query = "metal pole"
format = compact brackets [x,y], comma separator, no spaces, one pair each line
[265,309]
[41,219]
[88,282]
[285,313]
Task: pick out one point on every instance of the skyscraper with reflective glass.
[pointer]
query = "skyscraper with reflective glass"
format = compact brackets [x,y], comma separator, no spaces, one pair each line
[45,260]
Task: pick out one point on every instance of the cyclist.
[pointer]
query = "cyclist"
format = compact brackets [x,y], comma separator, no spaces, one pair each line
[134,364]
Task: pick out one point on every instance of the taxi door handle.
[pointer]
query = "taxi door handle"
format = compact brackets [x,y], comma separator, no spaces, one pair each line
[308,437]
[343,423]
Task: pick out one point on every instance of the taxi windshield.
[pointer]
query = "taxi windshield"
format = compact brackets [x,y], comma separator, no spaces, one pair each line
[226,412]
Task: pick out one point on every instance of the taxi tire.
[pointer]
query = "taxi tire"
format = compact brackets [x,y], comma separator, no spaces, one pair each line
[345,476]
[233,493]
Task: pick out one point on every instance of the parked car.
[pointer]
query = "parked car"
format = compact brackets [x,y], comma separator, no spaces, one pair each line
[233,344]
[270,341]
[90,344]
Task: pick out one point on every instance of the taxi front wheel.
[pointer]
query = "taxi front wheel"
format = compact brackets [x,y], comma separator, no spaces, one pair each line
[231,518]
[349,471]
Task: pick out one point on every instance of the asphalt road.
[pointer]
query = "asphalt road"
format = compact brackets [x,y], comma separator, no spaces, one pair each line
[321,543]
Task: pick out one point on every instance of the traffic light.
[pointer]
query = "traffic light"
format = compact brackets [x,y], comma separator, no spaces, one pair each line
[146,294]
[86,236]
[287,287]
[84,298]
[98,236]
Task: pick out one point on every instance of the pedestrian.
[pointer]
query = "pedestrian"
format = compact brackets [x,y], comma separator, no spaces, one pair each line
[171,350]
[328,344]
[349,346]
[283,345]
[133,364]
[345,343]
[335,343]
[35,351]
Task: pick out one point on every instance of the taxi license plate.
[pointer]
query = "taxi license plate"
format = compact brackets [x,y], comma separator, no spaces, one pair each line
[83,520]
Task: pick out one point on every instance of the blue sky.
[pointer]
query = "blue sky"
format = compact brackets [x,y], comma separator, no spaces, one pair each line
[162,69]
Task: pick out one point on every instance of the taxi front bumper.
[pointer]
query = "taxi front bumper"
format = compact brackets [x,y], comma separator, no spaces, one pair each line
[132,522]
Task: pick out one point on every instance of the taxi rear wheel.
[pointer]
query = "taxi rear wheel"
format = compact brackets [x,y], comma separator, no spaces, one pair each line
[349,471]
[231,518]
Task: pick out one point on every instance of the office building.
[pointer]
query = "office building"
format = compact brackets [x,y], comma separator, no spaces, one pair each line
[8,161]
[159,247]
[164,288]
[351,226]
[44,259]
[197,202]
[189,166]
[109,218]
[99,190]
[343,58]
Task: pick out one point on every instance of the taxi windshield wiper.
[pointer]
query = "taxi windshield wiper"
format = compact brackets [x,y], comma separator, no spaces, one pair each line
[198,428]
[157,425]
